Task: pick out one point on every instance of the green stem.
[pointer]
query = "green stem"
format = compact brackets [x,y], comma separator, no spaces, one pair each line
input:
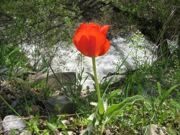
[9,106]
[100,106]
[96,79]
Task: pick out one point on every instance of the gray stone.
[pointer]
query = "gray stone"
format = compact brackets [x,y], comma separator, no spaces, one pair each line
[59,104]
[155,130]
[55,81]
[12,122]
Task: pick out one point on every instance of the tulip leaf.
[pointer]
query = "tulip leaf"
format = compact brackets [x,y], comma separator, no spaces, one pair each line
[101,106]
[116,107]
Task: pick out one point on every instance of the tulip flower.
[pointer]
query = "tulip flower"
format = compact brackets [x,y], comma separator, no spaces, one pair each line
[90,39]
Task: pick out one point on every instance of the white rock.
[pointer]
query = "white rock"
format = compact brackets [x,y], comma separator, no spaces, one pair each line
[133,51]
[11,122]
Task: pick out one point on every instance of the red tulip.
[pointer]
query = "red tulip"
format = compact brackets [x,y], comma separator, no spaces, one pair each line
[90,39]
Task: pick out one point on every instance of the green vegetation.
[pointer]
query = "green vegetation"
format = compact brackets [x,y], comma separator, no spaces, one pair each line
[147,95]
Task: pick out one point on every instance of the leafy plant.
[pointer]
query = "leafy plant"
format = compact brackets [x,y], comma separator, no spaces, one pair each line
[12,59]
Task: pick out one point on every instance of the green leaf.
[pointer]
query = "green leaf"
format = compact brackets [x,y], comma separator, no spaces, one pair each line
[167,94]
[175,104]
[101,106]
[52,127]
[159,88]
[116,107]
[114,93]
[15,50]
[91,75]
[148,104]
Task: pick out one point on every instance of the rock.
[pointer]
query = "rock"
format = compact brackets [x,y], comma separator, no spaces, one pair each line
[12,122]
[108,132]
[155,130]
[59,104]
[70,133]
[131,51]
[66,122]
[26,132]
[55,81]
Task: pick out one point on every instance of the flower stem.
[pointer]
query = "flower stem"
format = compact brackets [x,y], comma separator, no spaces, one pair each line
[100,106]
[96,79]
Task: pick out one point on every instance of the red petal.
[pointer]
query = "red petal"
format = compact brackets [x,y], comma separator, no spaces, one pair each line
[94,25]
[91,46]
[96,42]
[104,29]
[82,45]
[81,27]
[104,48]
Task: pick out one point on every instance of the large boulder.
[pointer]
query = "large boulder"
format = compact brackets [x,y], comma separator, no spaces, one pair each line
[125,54]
